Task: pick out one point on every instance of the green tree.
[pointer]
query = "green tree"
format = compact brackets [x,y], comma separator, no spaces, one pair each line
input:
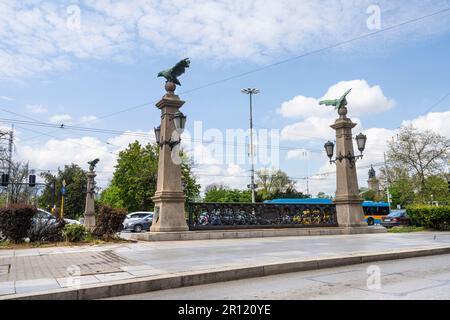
[223,194]
[134,180]
[76,183]
[110,196]
[436,189]
[420,153]
[276,184]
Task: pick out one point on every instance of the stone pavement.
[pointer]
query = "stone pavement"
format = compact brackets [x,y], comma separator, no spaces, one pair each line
[28,271]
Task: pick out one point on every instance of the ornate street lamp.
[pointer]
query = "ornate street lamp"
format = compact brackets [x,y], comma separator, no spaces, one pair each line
[329,148]
[158,135]
[361,142]
[179,120]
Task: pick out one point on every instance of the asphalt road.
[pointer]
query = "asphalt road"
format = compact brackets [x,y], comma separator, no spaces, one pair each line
[416,278]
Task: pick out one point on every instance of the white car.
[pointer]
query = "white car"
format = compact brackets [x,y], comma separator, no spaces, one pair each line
[138,214]
[44,216]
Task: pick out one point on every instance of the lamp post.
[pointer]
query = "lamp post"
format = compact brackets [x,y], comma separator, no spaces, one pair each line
[348,201]
[169,212]
[251,92]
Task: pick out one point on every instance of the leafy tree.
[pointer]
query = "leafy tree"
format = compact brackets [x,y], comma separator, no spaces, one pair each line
[420,153]
[134,180]
[436,189]
[110,196]
[323,195]
[76,183]
[276,184]
[223,194]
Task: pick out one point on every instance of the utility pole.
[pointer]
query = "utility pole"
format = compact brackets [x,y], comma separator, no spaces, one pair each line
[251,92]
[10,152]
[388,193]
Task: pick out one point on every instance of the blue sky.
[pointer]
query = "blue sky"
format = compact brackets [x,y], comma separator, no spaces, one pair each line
[62,70]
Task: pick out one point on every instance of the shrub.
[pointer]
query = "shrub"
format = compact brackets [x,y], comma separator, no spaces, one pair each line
[109,222]
[15,221]
[430,216]
[47,230]
[74,232]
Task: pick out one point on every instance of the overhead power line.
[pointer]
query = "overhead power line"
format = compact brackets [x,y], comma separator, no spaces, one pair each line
[294,58]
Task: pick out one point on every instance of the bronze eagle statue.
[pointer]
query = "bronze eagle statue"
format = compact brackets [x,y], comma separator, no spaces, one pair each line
[172,74]
[93,163]
[337,103]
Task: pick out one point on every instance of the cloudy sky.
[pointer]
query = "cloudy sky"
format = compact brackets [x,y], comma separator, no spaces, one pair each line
[92,64]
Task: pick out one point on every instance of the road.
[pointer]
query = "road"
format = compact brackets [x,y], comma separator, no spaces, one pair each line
[416,278]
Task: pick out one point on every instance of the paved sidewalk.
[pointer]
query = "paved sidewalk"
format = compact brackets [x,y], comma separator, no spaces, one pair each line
[29,271]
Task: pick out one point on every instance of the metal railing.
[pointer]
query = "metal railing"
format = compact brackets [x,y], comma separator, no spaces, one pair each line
[220,216]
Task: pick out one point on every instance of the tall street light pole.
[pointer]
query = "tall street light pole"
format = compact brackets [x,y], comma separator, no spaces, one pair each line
[251,92]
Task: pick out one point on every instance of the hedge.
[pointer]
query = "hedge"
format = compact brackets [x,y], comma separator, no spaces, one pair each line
[16,221]
[430,216]
[109,222]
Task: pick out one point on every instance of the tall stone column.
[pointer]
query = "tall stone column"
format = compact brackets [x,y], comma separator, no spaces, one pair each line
[169,197]
[348,202]
[89,211]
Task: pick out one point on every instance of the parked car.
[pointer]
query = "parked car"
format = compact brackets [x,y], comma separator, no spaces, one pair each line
[43,216]
[138,224]
[395,219]
[138,214]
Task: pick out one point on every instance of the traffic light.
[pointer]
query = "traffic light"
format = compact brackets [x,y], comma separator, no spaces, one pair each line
[5,179]
[32,180]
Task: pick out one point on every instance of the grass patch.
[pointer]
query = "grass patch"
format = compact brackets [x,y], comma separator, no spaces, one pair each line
[406,229]
[7,245]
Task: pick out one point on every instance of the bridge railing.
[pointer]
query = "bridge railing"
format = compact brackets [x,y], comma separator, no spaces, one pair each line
[220,216]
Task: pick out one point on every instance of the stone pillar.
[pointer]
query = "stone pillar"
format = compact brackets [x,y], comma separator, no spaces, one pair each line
[348,202]
[169,214]
[374,184]
[89,211]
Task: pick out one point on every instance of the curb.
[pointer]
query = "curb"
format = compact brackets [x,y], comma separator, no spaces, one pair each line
[154,283]
[250,233]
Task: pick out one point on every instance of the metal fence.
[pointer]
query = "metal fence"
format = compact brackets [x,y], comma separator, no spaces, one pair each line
[220,216]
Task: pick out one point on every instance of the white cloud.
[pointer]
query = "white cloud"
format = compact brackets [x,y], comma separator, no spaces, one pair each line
[60,118]
[6,98]
[36,108]
[364,99]
[40,40]
[435,121]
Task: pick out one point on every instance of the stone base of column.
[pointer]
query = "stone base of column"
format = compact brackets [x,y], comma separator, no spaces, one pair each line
[169,215]
[89,222]
[350,212]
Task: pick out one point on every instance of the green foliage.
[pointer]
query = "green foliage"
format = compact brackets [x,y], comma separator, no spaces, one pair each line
[74,232]
[76,183]
[372,195]
[134,181]
[276,185]
[430,216]
[111,197]
[109,222]
[435,189]
[405,229]
[16,221]
[216,193]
